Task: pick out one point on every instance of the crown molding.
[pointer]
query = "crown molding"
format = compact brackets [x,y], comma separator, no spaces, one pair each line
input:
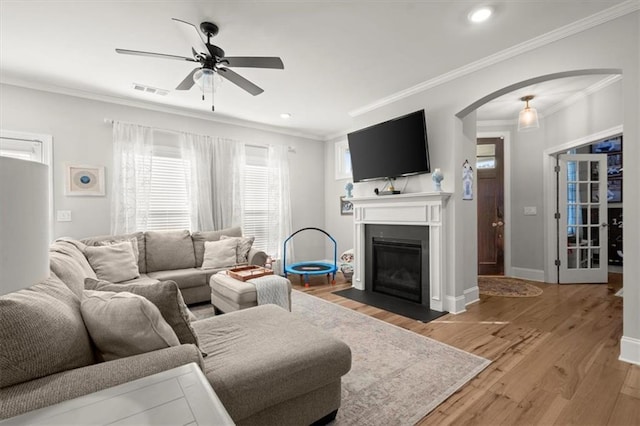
[576,27]
[185,112]
[565,103]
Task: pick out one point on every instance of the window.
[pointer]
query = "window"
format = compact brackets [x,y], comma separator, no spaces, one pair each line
[343,160]
[169,198]
[256,197]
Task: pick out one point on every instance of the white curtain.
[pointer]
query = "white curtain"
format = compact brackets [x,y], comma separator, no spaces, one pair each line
[198,151]
[279,201]
[131,181]
[215,188]
[228,179]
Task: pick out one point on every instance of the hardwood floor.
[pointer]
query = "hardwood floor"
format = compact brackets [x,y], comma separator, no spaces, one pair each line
[554,357]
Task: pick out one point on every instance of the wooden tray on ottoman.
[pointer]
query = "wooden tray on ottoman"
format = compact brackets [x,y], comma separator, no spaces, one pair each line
[244,273]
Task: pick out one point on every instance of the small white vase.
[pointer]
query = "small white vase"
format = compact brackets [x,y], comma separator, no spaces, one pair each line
[437,177]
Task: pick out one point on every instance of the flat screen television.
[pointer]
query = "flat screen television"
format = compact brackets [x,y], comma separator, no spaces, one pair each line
[394,148]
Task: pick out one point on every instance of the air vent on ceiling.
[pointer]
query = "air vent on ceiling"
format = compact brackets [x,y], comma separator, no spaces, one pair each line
[149,89]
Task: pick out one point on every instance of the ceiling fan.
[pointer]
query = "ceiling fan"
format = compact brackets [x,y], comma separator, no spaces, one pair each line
[212,60]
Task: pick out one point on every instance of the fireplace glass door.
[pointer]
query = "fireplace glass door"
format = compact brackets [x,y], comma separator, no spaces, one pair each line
[397,269]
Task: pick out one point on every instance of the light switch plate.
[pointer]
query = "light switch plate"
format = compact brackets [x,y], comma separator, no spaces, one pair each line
[530,211]
[63,215]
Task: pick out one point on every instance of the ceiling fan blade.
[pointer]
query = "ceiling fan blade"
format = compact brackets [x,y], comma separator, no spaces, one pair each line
[154,55]
[255,62]
[192,34]
[240,81]
[188,82]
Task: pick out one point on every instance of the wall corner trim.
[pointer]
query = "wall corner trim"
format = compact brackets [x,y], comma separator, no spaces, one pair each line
[472,295]
[528,274]
[630,350]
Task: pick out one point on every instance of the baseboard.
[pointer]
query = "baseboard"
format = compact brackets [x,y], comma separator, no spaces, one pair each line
[527,274]
[471,295]
[630,350]
[455,305]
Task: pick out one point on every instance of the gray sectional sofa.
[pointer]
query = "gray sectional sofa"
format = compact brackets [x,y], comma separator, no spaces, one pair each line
[165,255]
[268,366]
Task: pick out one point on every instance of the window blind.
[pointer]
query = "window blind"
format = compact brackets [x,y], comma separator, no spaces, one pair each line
[169,198]
[256,205]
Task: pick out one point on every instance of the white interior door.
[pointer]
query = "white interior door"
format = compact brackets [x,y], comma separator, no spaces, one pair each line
[582,203]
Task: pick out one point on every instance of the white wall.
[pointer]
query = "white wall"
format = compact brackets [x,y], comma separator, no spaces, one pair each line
[614,44]
[80,136]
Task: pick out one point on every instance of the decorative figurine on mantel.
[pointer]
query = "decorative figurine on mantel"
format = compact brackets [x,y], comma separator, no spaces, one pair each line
[437,177]
[349,187]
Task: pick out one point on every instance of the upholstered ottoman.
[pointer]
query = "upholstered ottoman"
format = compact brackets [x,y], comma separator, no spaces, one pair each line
[229,294]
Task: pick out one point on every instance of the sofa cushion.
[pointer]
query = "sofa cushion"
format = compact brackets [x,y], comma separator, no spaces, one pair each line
[132,241]
[125,324]
[115,262]
[139,236]
[220,254]
[262,356]
[165,295]
[200,237]
[142,279]
[185,278]
[169,250]
[75,250]
[41,333]
[244,246]
[69,271]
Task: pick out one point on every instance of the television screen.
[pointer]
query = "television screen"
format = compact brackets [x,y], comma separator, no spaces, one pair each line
[394,148]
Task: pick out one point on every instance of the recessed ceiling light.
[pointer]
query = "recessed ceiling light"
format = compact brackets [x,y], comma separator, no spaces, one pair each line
[285,115]
[480,15]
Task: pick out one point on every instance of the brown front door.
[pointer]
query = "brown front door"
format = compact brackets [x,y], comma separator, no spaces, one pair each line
[490,168]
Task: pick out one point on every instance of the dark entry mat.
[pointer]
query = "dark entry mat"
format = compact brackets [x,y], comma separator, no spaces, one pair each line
[391,304]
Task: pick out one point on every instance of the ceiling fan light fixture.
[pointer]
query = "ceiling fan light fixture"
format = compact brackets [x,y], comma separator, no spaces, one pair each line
[528,117]
[207,79]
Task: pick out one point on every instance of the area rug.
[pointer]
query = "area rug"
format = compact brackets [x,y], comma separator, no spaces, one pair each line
[397,376]
[507,287]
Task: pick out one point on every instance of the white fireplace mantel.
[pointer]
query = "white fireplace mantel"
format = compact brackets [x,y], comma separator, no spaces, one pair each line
[421,209]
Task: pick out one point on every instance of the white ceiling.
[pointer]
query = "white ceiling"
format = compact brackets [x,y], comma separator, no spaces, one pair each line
[339,55]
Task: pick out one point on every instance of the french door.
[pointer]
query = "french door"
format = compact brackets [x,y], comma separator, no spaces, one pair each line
[582,204]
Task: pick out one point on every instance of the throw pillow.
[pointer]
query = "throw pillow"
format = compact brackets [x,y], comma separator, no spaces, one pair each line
[167,298]
[219,254]
[115,263]
[133,241]
[124,324]
[244,245]
[41,333]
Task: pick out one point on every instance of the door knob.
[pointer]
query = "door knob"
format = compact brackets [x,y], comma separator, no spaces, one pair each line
[604,225]
[500,223]
[494,224]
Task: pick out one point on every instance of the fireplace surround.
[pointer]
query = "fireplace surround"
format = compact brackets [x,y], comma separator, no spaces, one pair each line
[426,210]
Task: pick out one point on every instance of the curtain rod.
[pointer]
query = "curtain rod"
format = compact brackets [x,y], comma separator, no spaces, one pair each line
[176,132]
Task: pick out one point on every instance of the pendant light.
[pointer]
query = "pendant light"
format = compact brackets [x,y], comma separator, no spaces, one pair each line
[528,118]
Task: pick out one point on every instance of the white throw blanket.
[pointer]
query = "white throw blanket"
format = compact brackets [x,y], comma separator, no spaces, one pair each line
[272,289]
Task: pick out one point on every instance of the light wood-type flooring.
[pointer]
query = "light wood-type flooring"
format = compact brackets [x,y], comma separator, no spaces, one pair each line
[555,357]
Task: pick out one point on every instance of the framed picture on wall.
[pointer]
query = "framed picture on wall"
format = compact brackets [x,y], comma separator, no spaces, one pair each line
[614,190]
[84,181]
[346,206]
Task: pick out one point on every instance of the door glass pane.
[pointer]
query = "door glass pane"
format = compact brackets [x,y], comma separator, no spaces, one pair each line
[584,171]
[595,194]
[583,196]
[486,150]
[595,236]
[486,162]
[572,254]
[571,171]
[595,170]
[594,216]
[584,259]
[595,258]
